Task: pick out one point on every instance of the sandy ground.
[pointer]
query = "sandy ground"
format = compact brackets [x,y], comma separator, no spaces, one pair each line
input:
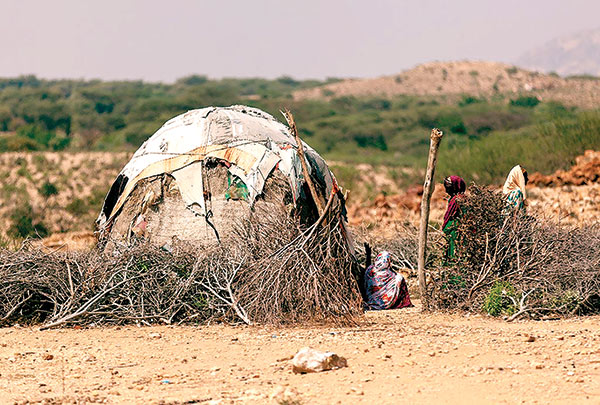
[394,356]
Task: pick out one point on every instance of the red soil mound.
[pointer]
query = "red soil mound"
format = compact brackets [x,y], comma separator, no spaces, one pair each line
[585,171]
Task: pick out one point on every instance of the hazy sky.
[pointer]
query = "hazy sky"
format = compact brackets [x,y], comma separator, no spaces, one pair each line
[162,40]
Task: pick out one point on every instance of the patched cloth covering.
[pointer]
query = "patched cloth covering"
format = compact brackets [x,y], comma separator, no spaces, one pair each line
[251,141]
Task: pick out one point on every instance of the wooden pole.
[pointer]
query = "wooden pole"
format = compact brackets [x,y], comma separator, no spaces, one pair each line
[436,137]
[313,191]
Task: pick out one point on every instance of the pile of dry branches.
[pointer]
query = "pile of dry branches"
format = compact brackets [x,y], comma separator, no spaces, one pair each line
[276,272]
[518,265]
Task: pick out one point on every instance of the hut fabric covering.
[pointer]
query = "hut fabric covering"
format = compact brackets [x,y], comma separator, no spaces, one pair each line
[251,141]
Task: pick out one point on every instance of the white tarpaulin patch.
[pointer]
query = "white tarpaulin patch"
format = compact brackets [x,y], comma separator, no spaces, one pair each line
[191,187]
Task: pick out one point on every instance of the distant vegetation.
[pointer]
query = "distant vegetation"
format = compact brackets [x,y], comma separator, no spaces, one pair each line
[485,136]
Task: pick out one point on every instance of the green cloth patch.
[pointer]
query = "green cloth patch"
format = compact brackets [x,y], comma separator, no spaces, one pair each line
[236,188]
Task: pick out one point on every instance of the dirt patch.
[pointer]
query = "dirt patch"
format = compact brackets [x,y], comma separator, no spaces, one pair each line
[402,355]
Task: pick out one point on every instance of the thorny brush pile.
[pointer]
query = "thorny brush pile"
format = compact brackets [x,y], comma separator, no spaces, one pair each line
[518,265]
[278,273]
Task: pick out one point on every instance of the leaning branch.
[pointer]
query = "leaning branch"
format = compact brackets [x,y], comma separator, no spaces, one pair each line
[313,191]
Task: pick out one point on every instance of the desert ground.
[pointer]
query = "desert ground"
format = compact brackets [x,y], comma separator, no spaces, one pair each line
[394,356]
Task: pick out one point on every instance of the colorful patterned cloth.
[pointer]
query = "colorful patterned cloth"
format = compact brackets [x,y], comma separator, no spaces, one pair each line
[514,201]
[385,288]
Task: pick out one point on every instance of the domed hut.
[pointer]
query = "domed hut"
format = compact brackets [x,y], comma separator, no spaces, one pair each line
[207,170]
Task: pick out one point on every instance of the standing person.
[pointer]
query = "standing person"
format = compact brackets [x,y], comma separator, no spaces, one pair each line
[514,190]
[385,289]
[455,187]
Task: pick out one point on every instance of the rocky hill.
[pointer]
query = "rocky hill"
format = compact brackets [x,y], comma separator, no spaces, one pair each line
[466,77]
[575,54]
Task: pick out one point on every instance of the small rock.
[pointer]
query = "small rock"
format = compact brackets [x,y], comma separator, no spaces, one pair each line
[47,356]
[530,338]
[431,354]
[154,335]
[309,360]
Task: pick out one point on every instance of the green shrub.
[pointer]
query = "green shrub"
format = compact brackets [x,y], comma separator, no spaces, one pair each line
[525,101]
[24,224]
[47,189]
[466,100]
[498,301]
[370,140]
[446,121]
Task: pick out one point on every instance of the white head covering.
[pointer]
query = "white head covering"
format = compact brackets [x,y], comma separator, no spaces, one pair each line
[514,181]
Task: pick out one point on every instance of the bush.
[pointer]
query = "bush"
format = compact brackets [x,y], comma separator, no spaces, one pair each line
[501,299]
[446,121]
[368,140]
[45,139]
[24,224]
[525,101]
[467,100]
[48,189]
